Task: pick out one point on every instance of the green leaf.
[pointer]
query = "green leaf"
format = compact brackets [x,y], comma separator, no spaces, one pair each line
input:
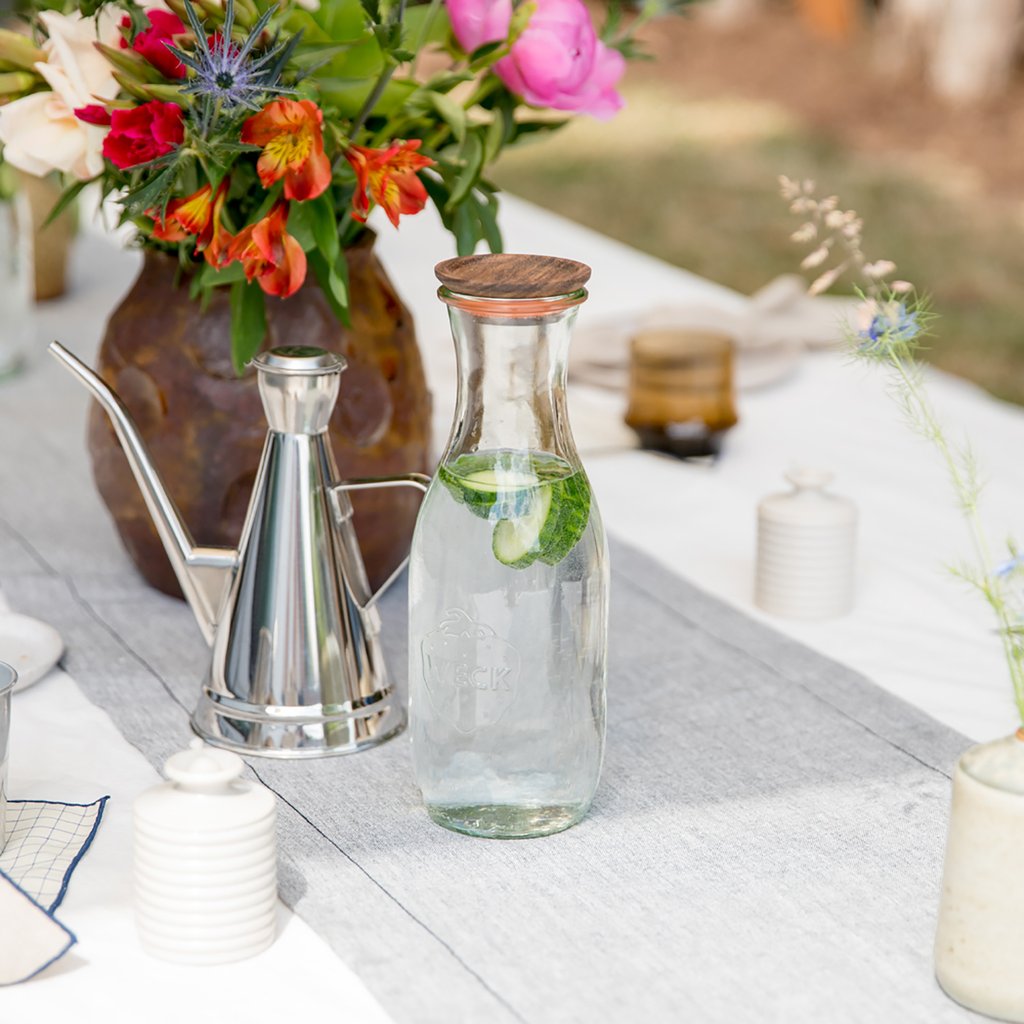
[362,62]
[472,158]
[324,226]
[339,19]
[495,138]
[154,194]
[466,229]
[349,95]
[451,112]
[487,213]
[445,81]
[308,54]
[248,323]
[488,54]
[333,284]
[68,196]
[209,277]
[439,194]
[426,24]
[486,50]
[531,127]
[300,225]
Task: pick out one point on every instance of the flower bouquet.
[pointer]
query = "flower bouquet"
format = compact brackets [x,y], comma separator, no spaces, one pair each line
[251,140]
[247,142]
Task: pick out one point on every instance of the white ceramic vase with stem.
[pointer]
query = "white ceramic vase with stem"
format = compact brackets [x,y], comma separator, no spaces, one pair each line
[979,944]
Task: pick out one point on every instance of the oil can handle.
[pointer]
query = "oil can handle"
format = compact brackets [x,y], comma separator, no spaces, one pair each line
[419,481]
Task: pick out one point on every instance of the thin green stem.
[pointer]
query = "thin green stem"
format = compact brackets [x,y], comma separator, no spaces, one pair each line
[839,243]
[382,82]
[484,88]
[374,97]
[428,22]
[966,490]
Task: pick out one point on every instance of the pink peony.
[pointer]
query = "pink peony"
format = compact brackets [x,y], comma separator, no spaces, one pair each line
[476,22]
[557,62]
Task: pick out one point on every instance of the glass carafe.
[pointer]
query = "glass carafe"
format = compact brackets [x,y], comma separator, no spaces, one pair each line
[508,577]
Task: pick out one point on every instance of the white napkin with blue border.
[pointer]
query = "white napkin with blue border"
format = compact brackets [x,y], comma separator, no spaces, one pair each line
[45,842]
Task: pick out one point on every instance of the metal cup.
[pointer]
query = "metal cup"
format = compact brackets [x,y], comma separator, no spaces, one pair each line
[8,677]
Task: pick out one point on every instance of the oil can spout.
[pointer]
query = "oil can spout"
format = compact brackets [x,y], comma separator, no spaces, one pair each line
[204,573]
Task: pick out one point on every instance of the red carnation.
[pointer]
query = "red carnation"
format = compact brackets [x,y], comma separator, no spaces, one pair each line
[93,113]
[152,42]
[143,133]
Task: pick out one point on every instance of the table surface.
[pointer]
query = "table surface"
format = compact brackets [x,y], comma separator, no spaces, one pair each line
[912,632]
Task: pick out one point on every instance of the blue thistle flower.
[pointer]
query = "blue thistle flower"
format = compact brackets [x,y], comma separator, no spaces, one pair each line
[226,73]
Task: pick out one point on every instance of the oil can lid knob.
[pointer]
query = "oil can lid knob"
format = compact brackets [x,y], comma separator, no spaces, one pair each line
[305,360]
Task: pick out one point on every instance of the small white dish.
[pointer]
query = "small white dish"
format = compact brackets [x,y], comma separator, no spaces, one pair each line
[29,646]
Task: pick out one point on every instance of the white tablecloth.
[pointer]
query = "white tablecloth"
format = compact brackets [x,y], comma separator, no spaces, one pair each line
[913,631]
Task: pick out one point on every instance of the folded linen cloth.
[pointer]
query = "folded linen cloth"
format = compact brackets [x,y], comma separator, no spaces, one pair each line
[46,841]
[769,333]
[30,938]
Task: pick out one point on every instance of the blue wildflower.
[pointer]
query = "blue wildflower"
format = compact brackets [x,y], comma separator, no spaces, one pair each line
[1008,567]
[891,325]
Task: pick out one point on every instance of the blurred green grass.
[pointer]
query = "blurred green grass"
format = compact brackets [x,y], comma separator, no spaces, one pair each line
[695,183]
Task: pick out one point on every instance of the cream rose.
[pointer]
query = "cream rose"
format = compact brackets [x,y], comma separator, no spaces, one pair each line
[40,132]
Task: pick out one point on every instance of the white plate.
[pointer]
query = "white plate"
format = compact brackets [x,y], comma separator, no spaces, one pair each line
[29,646]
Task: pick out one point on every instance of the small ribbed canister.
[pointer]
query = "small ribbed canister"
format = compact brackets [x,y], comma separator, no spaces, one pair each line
[806,550]
[205,861]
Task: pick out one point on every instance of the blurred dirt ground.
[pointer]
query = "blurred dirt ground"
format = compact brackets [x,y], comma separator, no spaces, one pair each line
[844,89]
[688,172]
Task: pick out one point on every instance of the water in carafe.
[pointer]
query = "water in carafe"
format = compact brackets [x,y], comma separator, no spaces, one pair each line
[508,596]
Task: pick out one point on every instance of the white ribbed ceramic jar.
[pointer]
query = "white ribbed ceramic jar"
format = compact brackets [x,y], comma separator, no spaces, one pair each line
[806,548]
[205,861]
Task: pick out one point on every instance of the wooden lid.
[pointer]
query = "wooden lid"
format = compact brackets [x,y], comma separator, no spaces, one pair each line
[673,346]
[512,276]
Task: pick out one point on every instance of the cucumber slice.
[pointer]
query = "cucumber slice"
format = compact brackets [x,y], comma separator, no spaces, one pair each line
[516,542]
[550,529]
[539,506]
[495,493]
[562,531]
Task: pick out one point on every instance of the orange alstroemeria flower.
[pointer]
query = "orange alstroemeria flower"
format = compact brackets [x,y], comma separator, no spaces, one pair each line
[269,255]
[215,240]
[169,228]
[293,147]
[199,215]
[388,177]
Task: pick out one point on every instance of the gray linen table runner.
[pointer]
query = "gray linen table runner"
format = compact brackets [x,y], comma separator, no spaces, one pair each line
[766,843]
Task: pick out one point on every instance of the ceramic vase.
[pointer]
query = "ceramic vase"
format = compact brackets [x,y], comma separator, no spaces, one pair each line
[979,944]
[204,426]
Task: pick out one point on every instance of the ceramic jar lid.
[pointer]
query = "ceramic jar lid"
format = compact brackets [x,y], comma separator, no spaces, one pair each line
[204,793]
[808,504]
